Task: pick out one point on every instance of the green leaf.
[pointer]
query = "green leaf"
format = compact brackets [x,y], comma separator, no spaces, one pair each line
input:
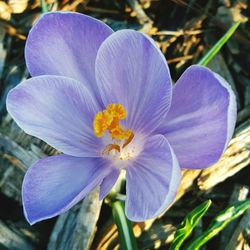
[188,224]
[219,223]
[125,233]
[44,6]
[216,48]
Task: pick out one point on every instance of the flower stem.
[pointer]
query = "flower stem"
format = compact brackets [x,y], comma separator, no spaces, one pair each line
[126,236]
[116,199]
[216,48]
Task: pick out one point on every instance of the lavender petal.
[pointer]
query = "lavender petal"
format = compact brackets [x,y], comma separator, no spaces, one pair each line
[108,183]
[152,180]
[132,71]
[59,111]
[202,117]
[66,44]
[54,184]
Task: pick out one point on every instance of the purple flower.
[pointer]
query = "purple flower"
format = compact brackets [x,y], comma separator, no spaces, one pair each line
[105,100]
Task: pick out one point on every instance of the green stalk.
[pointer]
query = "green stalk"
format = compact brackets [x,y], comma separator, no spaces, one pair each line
[216,48]
[116,199]
[44,6]
[125,232]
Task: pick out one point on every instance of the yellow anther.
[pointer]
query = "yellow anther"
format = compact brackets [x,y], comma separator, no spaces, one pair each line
[117,110]
[116,132]
[108,120]
[101,123]
[119,133]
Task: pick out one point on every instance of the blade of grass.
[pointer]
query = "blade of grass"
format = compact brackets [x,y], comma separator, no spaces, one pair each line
[219,223]
[188,224]
[126,237]
[44,6]
[216,48]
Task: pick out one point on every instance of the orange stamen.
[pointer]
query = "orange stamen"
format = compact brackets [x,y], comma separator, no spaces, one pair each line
[108,120]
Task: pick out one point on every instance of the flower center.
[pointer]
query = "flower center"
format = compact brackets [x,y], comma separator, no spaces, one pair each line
[108,120]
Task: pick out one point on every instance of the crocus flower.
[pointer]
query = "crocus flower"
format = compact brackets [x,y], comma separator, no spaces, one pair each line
[105,100]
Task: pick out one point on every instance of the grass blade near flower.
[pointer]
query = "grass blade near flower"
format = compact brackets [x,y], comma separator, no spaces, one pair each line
[216,48]
[44,6]
[219,223]
[126,237]
[188,224]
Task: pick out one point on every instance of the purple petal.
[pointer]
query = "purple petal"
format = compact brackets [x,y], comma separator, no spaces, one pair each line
[59,111]
[152,180]
[108,183]
[201,120]
[132,71]
[54,184]
[66,44]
